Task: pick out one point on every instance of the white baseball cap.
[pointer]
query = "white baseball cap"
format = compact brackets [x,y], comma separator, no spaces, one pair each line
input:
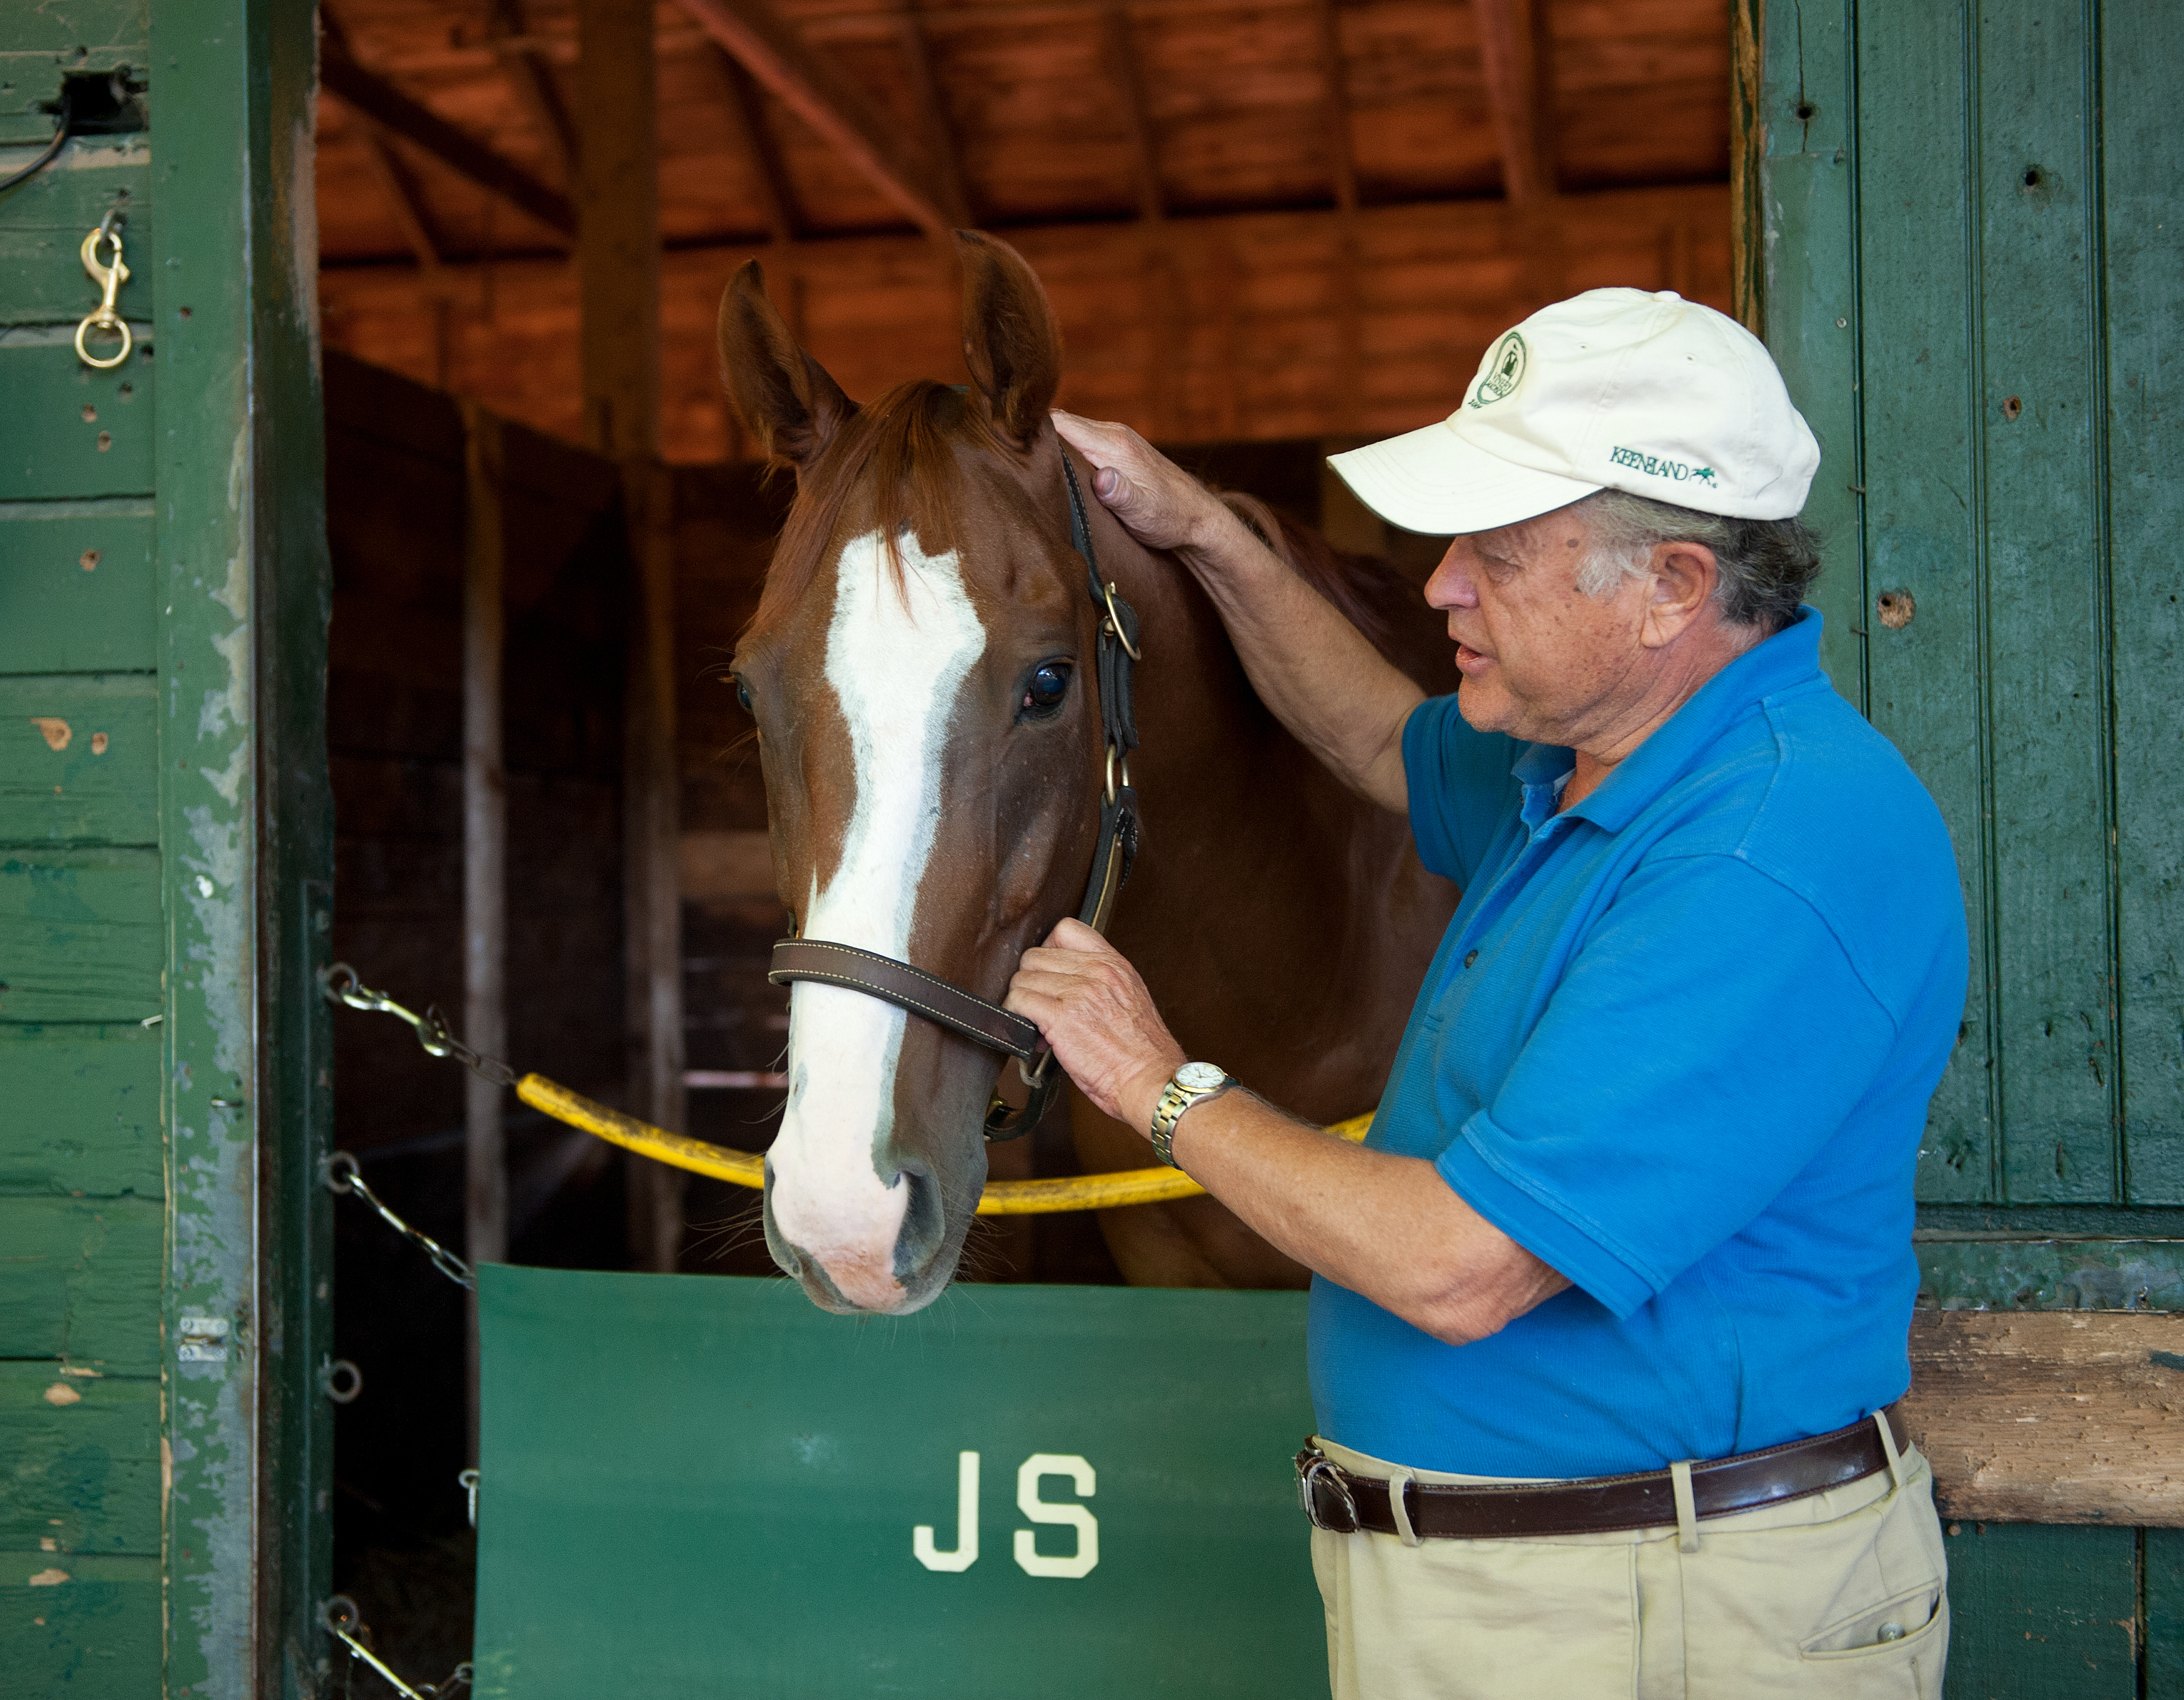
[1623,389]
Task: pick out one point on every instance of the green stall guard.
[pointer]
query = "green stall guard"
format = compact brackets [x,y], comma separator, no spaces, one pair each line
[704,1487]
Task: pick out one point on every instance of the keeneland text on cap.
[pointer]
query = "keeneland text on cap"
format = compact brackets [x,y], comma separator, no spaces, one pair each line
[1623,389]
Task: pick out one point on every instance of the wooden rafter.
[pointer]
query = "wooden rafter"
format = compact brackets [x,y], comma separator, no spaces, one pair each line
[807,81]
[747,112]
[940,132]
[529,75]
[371,97]
[1137,116]
[403,198]
[1511,51]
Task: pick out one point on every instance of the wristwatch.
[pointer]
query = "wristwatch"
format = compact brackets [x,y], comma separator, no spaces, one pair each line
[1192,1082]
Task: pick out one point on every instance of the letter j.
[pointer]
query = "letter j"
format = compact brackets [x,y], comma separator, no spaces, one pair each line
[966,1523]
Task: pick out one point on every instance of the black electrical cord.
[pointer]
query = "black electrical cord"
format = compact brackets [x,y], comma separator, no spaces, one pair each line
[60,136]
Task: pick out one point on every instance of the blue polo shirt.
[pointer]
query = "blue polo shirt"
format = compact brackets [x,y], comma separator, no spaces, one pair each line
[1678,1042]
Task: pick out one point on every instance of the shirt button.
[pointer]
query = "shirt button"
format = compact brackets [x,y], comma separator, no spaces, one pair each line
[1470,956]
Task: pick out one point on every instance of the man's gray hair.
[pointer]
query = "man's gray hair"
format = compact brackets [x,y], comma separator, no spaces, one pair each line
[1766,565]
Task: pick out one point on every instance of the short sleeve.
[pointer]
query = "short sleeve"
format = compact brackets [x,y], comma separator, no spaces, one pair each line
[1707,1039]
[1460,784]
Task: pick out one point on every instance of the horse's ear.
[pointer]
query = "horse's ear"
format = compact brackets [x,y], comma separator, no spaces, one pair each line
[1010,338]
[785,395]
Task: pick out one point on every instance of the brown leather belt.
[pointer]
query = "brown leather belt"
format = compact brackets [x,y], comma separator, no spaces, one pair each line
[1336,1499]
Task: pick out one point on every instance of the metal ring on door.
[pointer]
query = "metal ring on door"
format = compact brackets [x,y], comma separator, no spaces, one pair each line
[341,1381]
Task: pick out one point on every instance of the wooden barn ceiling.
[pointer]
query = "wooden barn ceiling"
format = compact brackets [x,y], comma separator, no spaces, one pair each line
[1257,218]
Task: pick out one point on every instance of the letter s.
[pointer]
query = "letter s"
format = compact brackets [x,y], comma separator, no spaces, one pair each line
[1029,1557]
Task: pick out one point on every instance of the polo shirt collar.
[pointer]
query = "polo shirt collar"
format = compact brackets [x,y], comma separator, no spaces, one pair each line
[1792,657]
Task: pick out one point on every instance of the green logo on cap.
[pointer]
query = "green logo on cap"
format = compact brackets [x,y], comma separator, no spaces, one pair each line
[1504,372]
[1660,467]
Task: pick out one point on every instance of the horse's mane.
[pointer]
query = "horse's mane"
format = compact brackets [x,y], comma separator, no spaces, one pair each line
[1362,586]
[916,483]
[902,438]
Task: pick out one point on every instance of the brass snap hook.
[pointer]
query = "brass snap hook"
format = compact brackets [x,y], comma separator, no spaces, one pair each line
[1115,625]
[109,278]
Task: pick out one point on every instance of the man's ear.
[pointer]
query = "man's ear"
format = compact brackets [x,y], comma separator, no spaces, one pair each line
[784,396]
[1682,580]
[1010,339]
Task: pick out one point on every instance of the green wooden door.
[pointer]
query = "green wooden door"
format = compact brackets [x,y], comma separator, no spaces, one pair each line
[163,863]
[1965,247]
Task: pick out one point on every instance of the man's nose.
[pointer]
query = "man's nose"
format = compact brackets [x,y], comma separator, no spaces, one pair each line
[1451,585]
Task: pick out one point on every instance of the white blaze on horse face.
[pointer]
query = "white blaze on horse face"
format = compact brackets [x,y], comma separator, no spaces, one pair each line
[895,659]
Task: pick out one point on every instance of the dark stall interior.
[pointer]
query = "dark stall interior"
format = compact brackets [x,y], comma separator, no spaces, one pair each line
[397,513]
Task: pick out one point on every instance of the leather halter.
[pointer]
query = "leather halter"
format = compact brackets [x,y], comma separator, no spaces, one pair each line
[949,1005]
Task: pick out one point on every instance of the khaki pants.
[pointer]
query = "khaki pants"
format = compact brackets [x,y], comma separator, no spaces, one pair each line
[1791,1599]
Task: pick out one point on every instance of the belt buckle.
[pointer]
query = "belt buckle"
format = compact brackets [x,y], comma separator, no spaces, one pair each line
[1324,1494]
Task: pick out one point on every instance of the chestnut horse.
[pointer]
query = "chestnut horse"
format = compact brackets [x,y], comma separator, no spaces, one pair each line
[919,669]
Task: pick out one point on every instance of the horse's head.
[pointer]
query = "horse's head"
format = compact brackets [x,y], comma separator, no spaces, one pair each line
[920,668]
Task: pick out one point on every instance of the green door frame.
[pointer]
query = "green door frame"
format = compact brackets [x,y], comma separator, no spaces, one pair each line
[247,837]
[165,868]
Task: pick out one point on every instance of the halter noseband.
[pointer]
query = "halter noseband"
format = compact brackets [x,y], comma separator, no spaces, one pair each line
[949,1005]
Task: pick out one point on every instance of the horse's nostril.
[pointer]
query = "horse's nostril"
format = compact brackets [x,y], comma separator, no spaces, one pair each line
[924,1225]
[786,1257]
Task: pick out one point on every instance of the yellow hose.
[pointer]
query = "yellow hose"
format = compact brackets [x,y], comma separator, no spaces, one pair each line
[1001,1197]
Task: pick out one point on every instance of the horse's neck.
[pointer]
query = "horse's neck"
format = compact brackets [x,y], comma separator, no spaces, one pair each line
[1215,765]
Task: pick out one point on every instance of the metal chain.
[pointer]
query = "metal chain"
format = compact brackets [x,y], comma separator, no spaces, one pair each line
[342,984]
[340,1616]
[343,1176]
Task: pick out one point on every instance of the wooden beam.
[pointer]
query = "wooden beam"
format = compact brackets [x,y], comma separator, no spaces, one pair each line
[652,890]
[532,79]
[932,108]
[807,81]
[1137,117]
[485,858]
[404,199]
[373,97]
[1341,155]
[747,112]
[1342,168]
[2051,1416]
[1510,42]
[618,223]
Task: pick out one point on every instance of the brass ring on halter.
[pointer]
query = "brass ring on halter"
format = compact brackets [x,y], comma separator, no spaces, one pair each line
[102,321]
[1111,754]
[1115,625]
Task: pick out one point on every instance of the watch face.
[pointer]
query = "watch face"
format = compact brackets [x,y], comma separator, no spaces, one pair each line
[1199,1077]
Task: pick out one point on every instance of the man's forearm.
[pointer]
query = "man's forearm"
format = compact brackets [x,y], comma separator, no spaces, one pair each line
[1385,1227]
[1320,675]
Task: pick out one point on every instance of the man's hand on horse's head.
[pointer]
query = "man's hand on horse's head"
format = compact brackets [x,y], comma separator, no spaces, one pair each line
[1098,1016]
[1159,504]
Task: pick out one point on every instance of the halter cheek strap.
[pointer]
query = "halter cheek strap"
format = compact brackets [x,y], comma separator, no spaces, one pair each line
[947,1005]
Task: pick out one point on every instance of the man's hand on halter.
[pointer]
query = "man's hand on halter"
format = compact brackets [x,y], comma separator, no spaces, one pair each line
[1387,1227]
[1160,505]
[1099,1019]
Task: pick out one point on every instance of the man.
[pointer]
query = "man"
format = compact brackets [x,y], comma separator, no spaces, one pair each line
[1637,1200]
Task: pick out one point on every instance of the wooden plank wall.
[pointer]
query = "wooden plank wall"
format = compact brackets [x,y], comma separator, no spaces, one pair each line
[1196,330]
[1966,257]
[1983,343]
[82,1182]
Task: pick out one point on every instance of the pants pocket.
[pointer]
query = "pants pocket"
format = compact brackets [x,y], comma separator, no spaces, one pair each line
[1478,1619]
[1871,1664]
[1879,1629]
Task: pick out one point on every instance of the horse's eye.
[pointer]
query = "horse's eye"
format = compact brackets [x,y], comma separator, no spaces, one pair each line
[1050,683]
[743,696]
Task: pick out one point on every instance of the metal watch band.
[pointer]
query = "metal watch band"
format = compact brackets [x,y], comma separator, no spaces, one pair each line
[1175,1098]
